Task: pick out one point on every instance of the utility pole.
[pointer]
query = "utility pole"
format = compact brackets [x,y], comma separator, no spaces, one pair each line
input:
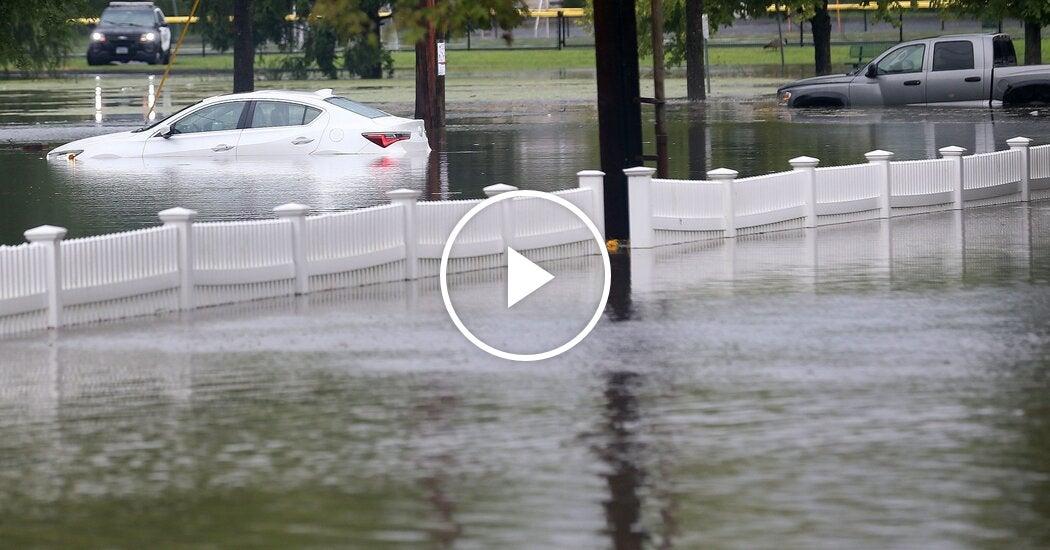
[429,98]
[619,108]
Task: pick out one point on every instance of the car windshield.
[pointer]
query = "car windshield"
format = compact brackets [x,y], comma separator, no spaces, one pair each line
[127,18]
[155,123]
[355,107]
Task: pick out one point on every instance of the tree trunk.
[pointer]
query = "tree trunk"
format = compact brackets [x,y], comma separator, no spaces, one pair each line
[376,70]
[821,25]
[1033,43]
[243,47]
[694,50]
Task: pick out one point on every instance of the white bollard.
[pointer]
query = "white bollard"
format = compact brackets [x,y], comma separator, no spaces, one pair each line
[506,212]
[98,99]
[882,160]
[408,199]
[595,181]
[808,166]
[296,214]
[1022,144]
[726,177]
[955,153]
[151,100]
[51,237]
[639,206]
[182,218]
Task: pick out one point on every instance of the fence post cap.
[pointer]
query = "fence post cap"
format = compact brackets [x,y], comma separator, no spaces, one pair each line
[722,174]
[1019,142]
[952,151]
[45,233]
[804,162]
[291,209]
[177,214]
[878,154]
[403,194]
[499,188]
[595,173]
[639,171]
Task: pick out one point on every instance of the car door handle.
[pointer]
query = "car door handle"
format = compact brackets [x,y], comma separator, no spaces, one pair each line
[972,79]
[222,147]
[301,141]
[912,82]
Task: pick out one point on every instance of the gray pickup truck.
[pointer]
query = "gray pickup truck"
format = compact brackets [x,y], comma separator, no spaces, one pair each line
[972,69]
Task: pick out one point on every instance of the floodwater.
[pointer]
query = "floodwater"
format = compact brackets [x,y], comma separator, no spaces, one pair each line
[533,143]
[868,385]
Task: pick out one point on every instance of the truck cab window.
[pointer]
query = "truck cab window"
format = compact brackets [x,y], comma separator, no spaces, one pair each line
[953,56]
[903,60]
[1003,50]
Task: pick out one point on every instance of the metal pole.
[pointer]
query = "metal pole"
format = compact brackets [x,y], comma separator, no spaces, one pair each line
[658,88]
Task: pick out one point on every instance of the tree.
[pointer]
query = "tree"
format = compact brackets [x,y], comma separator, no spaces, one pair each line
[244,25]
[37,34]
[356,26]
[1034,13]
[694,50]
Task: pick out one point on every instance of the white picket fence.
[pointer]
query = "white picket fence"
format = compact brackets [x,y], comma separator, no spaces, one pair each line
[185,264]
[665,211]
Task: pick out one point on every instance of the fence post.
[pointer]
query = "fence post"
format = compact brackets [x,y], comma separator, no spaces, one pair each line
[50,237]
[1022,144]
[408,198]
[640,206]
[595,181]
[182,218]
[726,176]
[506,212]
[808,165]
[296,214]
[955,153]
[882,160]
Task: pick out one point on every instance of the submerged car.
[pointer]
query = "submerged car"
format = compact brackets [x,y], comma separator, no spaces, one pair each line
[965,70]
[268,123]
[130,31]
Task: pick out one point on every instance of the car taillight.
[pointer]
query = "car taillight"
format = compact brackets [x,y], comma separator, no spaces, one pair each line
[386,139]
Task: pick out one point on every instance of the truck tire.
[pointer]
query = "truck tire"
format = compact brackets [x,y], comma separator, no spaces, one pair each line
[1027,95]
[92,60]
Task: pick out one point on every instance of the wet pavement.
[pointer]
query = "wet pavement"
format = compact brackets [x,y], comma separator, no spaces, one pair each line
[874,384]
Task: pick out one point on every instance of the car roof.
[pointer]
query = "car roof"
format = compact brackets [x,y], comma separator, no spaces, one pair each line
[970,36]
[293,95]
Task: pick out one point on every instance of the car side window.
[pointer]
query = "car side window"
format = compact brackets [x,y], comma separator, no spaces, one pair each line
[953,56]
[269,114]
[903,60]
[213,118]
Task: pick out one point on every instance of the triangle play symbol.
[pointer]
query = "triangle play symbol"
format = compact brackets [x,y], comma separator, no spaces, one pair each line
[523,277]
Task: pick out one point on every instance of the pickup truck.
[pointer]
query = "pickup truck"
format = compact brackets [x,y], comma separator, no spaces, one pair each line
[965,70]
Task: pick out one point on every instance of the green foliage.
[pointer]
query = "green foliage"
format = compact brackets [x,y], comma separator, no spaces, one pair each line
[362,56]
[37,34]
[268,22]
[1035,11]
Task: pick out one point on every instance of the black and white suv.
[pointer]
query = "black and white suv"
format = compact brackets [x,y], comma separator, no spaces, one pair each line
[130,31]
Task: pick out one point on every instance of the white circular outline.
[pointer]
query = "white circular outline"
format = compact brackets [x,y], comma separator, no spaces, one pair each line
[524,357]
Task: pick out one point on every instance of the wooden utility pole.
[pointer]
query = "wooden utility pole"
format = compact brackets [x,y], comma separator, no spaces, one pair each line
[429,102]
[243,47]
[619,109]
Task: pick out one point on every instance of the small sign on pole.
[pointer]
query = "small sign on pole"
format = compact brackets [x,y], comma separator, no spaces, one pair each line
[441,58]
[707,27]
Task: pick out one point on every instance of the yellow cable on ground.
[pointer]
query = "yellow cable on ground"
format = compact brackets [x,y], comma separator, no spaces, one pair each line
[171,58]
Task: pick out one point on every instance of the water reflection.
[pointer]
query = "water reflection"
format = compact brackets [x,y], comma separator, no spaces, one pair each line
[870,384]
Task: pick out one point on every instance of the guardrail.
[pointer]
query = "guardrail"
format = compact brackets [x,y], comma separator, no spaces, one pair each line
[665,211]
[184,264]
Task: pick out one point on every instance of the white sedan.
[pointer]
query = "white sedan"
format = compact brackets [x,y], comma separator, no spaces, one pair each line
[261,124]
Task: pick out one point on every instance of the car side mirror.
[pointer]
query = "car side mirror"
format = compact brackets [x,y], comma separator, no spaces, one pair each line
[165,131]
[872,71]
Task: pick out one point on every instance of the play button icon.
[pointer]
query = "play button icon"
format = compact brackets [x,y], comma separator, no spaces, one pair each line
[525,275]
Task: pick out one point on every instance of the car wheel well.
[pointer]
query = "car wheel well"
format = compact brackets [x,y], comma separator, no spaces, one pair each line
[1026,94]
[819,101]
